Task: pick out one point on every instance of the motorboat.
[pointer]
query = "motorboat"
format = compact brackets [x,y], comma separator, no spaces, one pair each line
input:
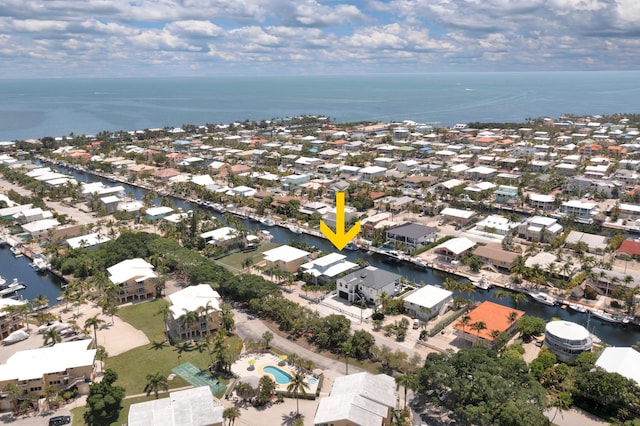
[295,229]
[480,283]
[607,317]
[543,298]
[16,250]
[351,246]
[40,264]
[267,221]
[577,308]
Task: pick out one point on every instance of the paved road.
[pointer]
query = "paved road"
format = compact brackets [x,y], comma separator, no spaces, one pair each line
[254,328]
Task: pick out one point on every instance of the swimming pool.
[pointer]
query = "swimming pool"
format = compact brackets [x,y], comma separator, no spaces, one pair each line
[312,380]
[281,376]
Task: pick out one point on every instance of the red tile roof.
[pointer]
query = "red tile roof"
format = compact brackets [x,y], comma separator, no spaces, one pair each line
[629,247]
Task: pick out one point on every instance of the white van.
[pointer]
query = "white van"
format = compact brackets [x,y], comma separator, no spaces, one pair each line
[416,324]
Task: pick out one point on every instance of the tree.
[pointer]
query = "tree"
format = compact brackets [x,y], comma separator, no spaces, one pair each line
[231,414]
[104,400]
[14,393]
[347,351]
[188,319]
[94,322]
[362,342]
[52,335]
[267,336]
[408,381]
[101,354]
[266,386]
[297,385]
[530,326]
[478,327]
[155,383]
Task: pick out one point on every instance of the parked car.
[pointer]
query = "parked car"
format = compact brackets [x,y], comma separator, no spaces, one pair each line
[59,420]
[416,324]
[15,337]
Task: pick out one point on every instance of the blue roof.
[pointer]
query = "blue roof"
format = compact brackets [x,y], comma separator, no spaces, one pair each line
[181,142]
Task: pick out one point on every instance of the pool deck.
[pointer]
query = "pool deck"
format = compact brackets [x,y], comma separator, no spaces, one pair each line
[252,373]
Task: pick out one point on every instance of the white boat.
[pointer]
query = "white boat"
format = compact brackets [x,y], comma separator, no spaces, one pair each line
[295,229]
[481,283]
[577,308]
[606,316]
[543,298]
[16,251]
[351,246]
[40,264]
[267,221]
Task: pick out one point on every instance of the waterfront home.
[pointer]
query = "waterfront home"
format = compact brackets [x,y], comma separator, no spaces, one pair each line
[629,247]
[189,407]
[452,250]
[64,366]
[567,339]
[624,361]
[629,211]
[410,236]
[110,203]
[370,224]
[314,207]
[329,218]
[494,256]
[157,213]
[495,317]
[286,258]
[201,299]
[457,216]
[12,209]
[545,203]
[495,224]
[367,284]
[40,227]
[327,268]
[578,209]
[134,277]
[505,194]
[427,302]
[32,215]
[10,320]
[221,237]
[358,399]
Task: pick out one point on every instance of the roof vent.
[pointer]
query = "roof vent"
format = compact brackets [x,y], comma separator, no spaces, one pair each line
[363,275]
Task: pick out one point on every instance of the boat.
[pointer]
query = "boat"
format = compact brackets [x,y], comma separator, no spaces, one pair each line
[543,298]
[607,317]
[12,288]
[351,246]
[295,229]
[480,283]
[267,221]
[392,256]
[577,308]
[16,250]
[40,264]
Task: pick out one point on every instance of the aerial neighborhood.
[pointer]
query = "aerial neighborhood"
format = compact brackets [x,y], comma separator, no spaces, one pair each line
[495,278]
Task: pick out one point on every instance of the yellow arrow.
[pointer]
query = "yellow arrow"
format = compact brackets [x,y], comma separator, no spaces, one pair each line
[339,238]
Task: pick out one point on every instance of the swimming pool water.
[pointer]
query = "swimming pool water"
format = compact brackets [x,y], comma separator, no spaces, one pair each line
[281,376]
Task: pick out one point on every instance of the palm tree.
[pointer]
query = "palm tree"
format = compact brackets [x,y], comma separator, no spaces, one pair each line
[267,336]
[297,385]
[13,393]
[478,327]
[101,354]
[40,302]
[408,381]
[347,350]
[52,335]
[512,317]
[155,383]
[188,319]
[231,414]
[94,322]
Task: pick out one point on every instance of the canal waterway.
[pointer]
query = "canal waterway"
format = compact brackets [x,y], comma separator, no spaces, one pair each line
[611,334]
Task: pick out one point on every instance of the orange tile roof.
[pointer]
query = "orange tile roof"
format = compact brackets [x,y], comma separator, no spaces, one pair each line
[337,142]
[495,316]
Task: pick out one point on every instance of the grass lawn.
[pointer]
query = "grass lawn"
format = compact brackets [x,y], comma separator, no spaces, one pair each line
[158,356]
[234,261]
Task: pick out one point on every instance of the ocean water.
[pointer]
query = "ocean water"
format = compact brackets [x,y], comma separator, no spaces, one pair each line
[57,107]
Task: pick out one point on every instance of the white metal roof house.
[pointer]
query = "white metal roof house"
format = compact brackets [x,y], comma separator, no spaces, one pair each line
[539,228]
[221,236]
[360,399]
[189,407]
[88,240]
[427,302]
[199,298]
[454,248]
[328,267]
[134,276]
[367,284]
[286,257]
[624,361]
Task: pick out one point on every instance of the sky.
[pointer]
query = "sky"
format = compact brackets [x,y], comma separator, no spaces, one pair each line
[140,38]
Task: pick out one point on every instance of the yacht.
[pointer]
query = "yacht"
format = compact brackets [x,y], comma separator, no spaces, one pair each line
[40,264]
[267,221]
[481,283]
[351,246]
[577,308]
[8,290]
[612,318]
[543,298]
[16,250]
[295,229]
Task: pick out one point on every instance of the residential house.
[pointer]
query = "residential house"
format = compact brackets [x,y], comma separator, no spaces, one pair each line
[628,211]
[286,258]
[593,243]
[457,216]
[566,339]
[545,203]
[624,361]
[495,317]
[329,267]
[201,299]
[163,175]
[157,213]
[329,218]
[410,236]
[578,209]
[367,284]
[379,221]
[358,399]
[134,278]
[222,237]
[65,366]
[494,255]
[189,407]
[293,182]
[10,320]
[629,248]
[452,250]
[427,302]
[89,240]
[496,224]
[506,194]
[371,173]
[540,228]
